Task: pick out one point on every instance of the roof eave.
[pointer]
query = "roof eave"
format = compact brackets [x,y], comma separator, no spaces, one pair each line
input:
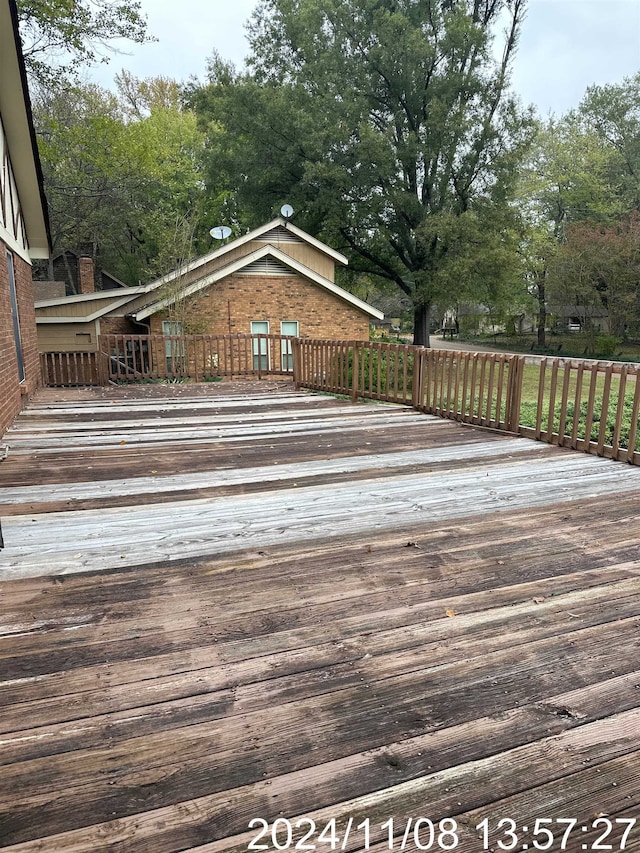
[240,263]
[247,238]
[15,108]
[88,297]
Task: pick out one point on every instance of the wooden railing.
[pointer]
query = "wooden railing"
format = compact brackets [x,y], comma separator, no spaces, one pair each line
[475,388]
[479,388]
[586,405]
[69,369]
[201,358]
[358,368]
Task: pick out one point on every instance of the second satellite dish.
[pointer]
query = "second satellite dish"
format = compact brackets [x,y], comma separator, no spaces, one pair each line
[220,232]
[287,211]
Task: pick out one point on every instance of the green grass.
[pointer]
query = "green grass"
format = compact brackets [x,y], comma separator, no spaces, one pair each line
[577,403]
[570,344]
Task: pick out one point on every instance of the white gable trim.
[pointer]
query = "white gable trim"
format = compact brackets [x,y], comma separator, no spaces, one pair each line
[86,318]
[241,241]
[117,295]
[20,139]
[240,263]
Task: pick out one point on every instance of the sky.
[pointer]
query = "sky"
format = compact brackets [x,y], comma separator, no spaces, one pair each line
[565,46]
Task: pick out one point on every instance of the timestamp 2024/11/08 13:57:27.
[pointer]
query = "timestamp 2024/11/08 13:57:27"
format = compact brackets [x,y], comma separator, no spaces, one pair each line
[600,833]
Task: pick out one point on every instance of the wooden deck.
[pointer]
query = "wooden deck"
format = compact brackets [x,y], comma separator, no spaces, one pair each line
[232,605]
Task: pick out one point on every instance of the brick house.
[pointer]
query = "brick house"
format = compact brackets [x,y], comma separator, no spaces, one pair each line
[275,280]
[71,274]
[24,228]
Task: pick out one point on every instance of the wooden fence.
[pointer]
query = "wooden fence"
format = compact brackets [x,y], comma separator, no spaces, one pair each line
[585,405]
[69,369]
[201,358]
[381,371]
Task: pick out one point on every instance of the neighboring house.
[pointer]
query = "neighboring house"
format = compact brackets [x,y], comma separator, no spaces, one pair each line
[275,280]
[72,274]
[577,318]
[24,228]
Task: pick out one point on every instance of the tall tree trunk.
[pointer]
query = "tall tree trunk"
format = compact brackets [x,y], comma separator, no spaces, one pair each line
[542,310]
[421,317]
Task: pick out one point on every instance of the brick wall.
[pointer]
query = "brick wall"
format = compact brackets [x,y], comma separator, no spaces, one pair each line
[12,392]
[86,275]
[48,290]
[229,306]
[120,325]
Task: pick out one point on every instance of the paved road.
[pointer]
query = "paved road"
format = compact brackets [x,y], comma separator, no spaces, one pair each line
[439,343]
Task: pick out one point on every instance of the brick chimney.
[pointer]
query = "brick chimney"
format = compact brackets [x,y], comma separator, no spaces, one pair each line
[86,279]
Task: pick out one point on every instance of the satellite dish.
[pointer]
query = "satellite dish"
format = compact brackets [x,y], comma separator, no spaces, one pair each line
[220,232]
[287,211]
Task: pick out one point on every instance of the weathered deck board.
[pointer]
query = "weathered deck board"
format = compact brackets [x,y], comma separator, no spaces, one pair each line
[105,538]
[447,625]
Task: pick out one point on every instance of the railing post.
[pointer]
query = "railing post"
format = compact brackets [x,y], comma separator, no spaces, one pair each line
[416,379]
[102,361]
[196,371]
[355,381]
[297,362]
[514,394]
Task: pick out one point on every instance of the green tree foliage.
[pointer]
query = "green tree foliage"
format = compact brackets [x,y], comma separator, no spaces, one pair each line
[230,109]
[116,184]
[598,266]
[389,127]
[580,191]
[613,113]
[139,98]
[62,36]
[565,180]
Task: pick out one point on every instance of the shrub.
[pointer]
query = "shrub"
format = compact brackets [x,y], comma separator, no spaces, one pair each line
[528,412]
[606,345]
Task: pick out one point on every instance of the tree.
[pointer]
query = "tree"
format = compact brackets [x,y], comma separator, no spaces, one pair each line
[61,36]
[140,97]
[598,266]
[612,112]
[387,124]
[117,185]
[566,179]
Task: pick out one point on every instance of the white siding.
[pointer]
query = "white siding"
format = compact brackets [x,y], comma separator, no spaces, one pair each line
[12,227]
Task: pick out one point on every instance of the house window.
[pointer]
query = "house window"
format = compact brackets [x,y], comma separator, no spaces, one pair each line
[174,346]
[15,317]
[260,344]
[288,327]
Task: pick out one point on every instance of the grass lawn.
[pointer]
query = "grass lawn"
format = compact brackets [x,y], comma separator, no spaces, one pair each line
[573,344]
[578,393]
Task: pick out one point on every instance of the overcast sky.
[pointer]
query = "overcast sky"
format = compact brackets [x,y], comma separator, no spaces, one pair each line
[566,45]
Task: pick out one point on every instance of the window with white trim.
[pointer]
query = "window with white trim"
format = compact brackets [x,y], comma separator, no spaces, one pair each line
[289,328]
[260,344]
[174,350]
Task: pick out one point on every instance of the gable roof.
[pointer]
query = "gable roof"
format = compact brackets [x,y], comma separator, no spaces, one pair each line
[276,230]
[273,232]
[17,120]
[111,300]
[241,263]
